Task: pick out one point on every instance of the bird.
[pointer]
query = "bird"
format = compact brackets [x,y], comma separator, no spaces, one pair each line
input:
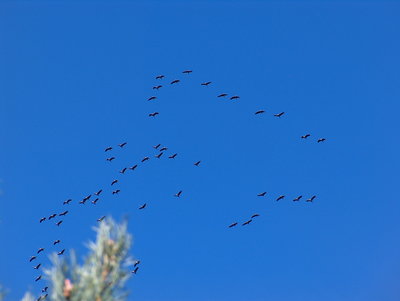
[38,278]
[101,219]
[40,250]
[157,87]
[248,222]
[56,242]
[152,98]
[175,81]
[45,289]
[279,115]
[108,149]
[42,220]
[145,159]
[98,192]
[133,167]
[94,202]
[61,252]
[163,149]
[114,182]
[187,71]
[262,193]
[232,225]
[63,213]
[254,215]
[52,216]
[153,114]
[305,136]
[32,258]
[123,170]
[205,84]
[311,198]
[136,263]
[222,95]
[197,163]
[173,156]
[178,194]
[280,197]
[42,297]
[321,140]
[116,191]
[67,202]
[135,270]
[37,266]
[259,112]
[159,155]
[234,97]
[87,197]
[160,76]
[59,223]
[82,202]
[156,146]
[123,144]
[298,198]
[110,159]
[143,206]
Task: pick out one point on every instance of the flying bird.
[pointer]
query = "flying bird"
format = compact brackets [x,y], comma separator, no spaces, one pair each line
[279,115]
[63,213]
[311,198]
[159,155]
[163,149]
[262,193]
[160,76]
[114,182]
[56,242]
[205,84]
[305,136]
[98,192]
[248,222]
[94,202]
[87,197]
[136,263]
[152,98]
[133,167]
[40,250]
[156,146]
[67,202]
[42,220]
[123,144]
[101,219]
[145,159]
[234,97]
[108,149]
[280,197]
[61,252]
[255,215]
[32,258]
[321,140]
[187,71]
[143,206]
[116,191]
[222,95]
[123,170]
[135,270]
[175,81]
[37,266]
[82,202]
[38,278]
[298,198]
[173,156]
[153,114]
[110,159]
[157,87]
[178,194]
[52,216]
[45,289]
[197,163]
[59,223]
[259,112]
[232,225]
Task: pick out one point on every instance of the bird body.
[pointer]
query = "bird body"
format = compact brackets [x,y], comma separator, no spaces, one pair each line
[280,197]
[40,250]
[143,206]
[135,270]
[305,136]
[175,81]
[160,76]
[42,220]
[133,167]
[136,263]
[248,222]
[123,144]
[254,215]
[321,140]
[108,149]
[145,159]
[37,266]
[56,242]
[259,112]
[205,84]
[153,114]
[157,87]
[222,95]
[152,98]
[101,219]
[94,202]
[298,198]
[159,155]
[279,115]
[114,182]
[173,156]
[187,71]
[110,159]
[234,97]
[63,213]
[67,202]
[232,225]
[156,146]
[163,149]
[116,191]
[197,163]
[38,278]
[262,193]
[311,199]
[123,170]
[98,192]
[178,194]
[52,216]
[32,258]
[59,223]
[61,252]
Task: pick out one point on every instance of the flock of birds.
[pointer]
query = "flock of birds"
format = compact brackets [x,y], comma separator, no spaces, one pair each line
[94,197]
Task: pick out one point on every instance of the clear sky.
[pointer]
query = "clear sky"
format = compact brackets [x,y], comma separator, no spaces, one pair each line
[75,77]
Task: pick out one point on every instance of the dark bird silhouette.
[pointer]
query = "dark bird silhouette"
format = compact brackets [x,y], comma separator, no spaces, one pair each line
[63,213]
[298,198]
[40,250]
[305,136]
[98,192]
[59,223]
[135,270]
[136,263]
[321,140]
[37,266]
[222,95]
[82,202]
[42,220]
[157,87]
[259,112]
[178,194]
[311,198]
[145,159]
[175,81]
[173,156]
[153,114]
[187,71]
[152,98]
[262,193]
[32,258]
[94,202]
[123,144]
[279,115]
[61,252]
[108,149]
[45,289]
[123,170]
[87,197]
[197,163]
[232,225]
[163,149]
[116,191]
[67,202]
[56,242]
[248,222]
[38,278]
[133,167]
[159,155]
[205,84]
[143,206]
[280,197]
[110,159]
[52,216]
[234,97]
[42,297]
[114,182]
[255,215]
[101,219]
[156,146]
[160,76]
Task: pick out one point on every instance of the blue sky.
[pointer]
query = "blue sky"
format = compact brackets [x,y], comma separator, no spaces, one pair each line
[75,78]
